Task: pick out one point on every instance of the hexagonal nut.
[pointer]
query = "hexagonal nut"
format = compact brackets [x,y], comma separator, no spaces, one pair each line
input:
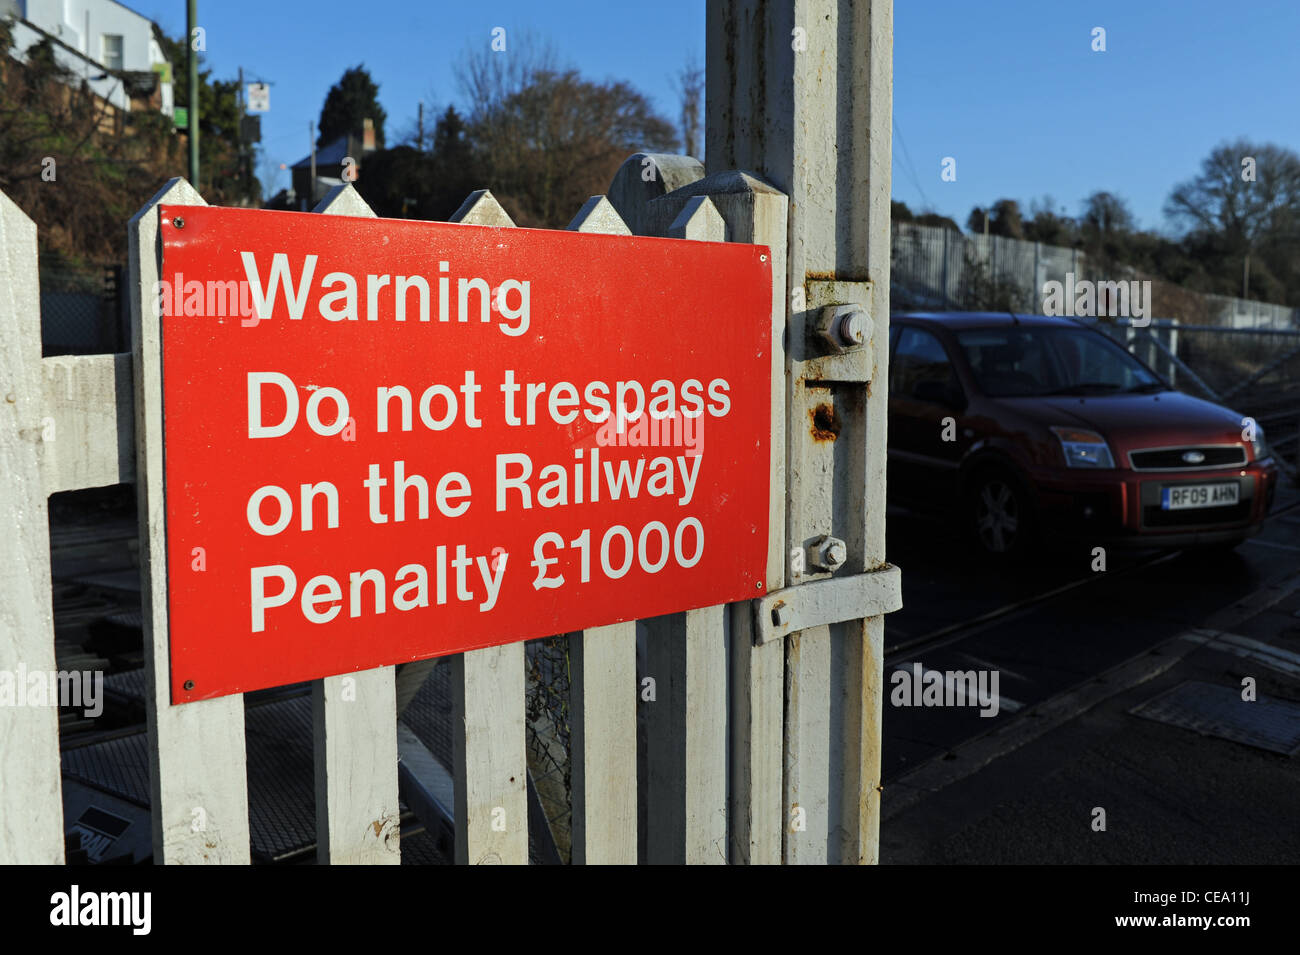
[829,553]
[782,614]
[842,328]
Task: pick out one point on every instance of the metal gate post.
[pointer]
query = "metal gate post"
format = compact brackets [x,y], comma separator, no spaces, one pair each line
[800,93]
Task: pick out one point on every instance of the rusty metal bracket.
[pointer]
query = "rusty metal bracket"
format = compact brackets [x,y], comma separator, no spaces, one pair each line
[832,600]
[855,364]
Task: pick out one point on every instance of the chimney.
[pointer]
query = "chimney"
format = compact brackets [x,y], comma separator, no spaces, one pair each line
[367,135]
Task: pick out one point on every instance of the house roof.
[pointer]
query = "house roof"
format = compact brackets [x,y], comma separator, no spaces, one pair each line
[331,154]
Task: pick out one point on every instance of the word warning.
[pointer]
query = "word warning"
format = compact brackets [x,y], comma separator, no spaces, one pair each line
[389,440]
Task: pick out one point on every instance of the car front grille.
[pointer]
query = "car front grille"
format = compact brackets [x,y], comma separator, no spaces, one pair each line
[1171,459]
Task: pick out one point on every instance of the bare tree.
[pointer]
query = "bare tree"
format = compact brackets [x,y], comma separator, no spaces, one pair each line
[1224,199]
[1247,193]
[690,90]
[543,137]
[488,77]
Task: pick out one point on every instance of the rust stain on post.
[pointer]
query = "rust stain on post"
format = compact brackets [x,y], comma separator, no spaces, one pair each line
[825,423]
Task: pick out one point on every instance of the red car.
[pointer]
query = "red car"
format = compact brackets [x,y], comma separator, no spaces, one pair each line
[1042,427]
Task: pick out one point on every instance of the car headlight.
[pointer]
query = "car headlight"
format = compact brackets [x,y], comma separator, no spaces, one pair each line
[1083,448]
[1258,445]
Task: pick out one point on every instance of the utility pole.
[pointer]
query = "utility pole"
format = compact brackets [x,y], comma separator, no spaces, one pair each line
[243,159]
[191,21]
[311,187]
[421,125]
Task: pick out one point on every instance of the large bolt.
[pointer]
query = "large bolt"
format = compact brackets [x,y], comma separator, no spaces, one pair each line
[782,613]
[829,553]
[842,328]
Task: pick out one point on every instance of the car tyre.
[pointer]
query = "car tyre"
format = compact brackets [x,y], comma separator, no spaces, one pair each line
[1000,515]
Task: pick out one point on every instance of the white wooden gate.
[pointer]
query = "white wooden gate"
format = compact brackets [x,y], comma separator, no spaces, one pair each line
[763,741]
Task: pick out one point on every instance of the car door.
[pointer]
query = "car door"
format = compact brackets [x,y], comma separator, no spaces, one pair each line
[926,405]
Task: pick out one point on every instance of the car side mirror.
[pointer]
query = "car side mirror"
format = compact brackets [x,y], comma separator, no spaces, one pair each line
[940,393]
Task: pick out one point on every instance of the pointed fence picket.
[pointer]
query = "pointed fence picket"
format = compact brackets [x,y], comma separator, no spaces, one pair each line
[198,783]
[354,727]
[488,707]
[602,695]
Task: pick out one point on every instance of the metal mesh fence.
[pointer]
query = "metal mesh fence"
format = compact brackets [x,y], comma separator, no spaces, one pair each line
[83,311]
[935,268]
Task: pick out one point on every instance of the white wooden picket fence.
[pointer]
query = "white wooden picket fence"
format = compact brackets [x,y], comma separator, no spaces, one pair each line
[763,744]
[715,733]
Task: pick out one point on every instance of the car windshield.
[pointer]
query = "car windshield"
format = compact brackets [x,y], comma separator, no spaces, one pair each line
[1023,360]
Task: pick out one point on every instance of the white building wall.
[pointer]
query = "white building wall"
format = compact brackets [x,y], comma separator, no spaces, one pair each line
[108,88]
[81,24]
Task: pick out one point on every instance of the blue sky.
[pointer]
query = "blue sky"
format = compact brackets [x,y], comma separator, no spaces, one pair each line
[1009,88]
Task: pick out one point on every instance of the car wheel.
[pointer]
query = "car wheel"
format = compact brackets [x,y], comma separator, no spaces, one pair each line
[1001,515]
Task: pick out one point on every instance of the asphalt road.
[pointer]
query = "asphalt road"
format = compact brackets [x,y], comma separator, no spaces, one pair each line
[1052,624]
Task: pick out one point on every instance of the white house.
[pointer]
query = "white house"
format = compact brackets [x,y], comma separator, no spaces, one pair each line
[108,45]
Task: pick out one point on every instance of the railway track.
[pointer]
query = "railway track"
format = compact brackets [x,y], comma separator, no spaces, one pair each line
[958,631]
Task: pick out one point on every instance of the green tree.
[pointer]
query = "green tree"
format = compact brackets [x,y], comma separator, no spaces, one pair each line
[454,167]
[1048,225]
[451,142]
[1003,219]
[396,183]
[899,212]
[1106,229]
[937,220]
[1105,213]
[349,102]
[405,182]
[71,162]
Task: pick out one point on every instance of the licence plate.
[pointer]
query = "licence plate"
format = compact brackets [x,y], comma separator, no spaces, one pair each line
[1183,496]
